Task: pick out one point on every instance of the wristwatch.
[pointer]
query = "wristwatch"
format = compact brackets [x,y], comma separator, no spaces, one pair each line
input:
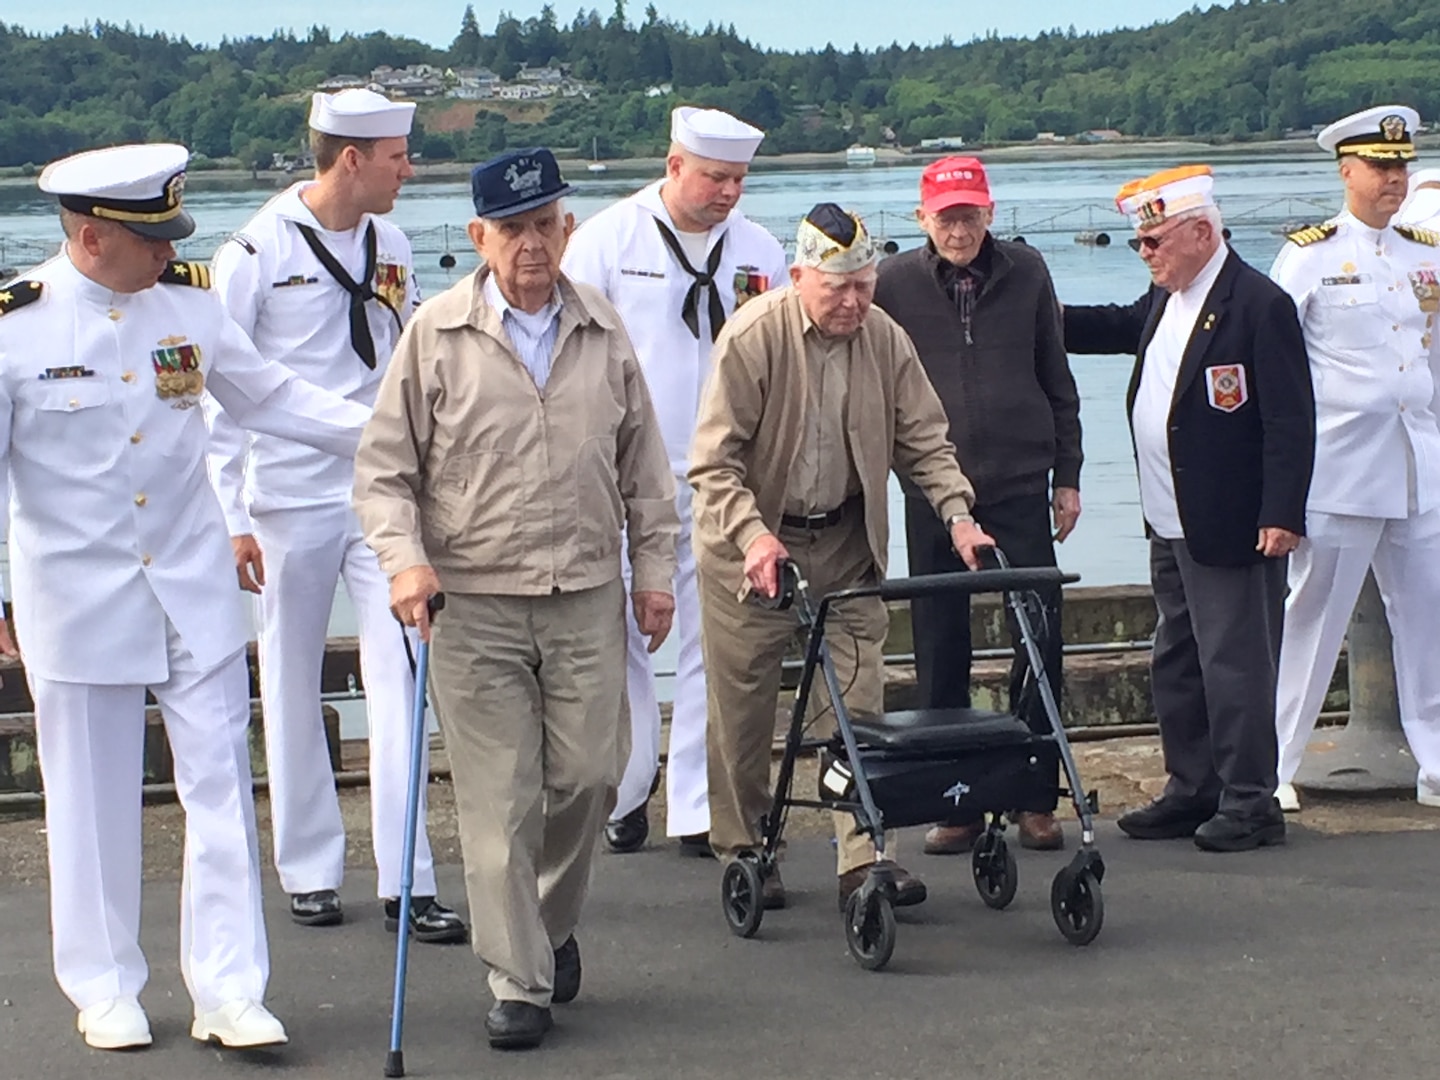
[955,519]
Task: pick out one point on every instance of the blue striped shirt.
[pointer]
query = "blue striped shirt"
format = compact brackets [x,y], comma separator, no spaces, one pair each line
[532,336]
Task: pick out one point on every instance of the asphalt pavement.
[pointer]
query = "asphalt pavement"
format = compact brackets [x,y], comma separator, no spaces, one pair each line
[1316,960]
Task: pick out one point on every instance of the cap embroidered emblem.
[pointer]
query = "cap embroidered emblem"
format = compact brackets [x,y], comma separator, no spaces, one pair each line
[521,182]
[1393,128]
[175,189]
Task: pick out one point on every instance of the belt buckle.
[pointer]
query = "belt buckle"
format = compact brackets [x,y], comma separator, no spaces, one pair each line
[816,521]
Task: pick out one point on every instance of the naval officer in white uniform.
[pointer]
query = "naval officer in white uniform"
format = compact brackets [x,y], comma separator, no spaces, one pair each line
[323,285]
[1367,292]
[122,582]
[676,259]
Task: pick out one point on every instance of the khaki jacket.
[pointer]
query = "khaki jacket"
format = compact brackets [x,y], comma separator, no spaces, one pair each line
[501,488]
[751,422]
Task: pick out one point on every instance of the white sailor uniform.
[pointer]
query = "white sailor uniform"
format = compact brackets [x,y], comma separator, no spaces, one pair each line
[123,581]
[296,502]
[622,252]
[1367,300]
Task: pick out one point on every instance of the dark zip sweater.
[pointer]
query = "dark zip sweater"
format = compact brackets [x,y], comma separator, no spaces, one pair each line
[1006,386]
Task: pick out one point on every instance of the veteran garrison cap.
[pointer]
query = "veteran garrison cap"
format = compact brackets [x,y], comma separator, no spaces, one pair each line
[138,186]
[835,240]
[1384,133]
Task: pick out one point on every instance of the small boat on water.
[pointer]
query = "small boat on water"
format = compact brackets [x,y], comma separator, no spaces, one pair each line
[860,155]
[596,165]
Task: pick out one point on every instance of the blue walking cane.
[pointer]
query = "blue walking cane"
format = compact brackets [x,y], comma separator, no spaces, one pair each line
[395,1059]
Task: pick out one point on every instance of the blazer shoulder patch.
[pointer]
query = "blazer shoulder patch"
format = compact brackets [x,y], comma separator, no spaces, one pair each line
[1429,237]
[245,242]
[1312,234]
[196,274]
[19,293]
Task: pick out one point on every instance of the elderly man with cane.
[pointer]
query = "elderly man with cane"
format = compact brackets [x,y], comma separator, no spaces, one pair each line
[815,396]
[513,441]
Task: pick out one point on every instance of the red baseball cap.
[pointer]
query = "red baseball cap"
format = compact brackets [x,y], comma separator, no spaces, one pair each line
[954,181]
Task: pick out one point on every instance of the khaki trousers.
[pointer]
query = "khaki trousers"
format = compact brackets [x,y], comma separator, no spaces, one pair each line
[744,646]
[528,692]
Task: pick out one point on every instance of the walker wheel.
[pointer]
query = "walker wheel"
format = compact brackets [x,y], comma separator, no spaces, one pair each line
[996,875]
[870,929]
[741,896]
[1078,905]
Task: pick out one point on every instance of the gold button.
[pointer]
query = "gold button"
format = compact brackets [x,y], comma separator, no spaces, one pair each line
[129,376]
[1395,327]
[144,560]
[115,316]
[137,436]
[74,403]
[1402,407]
[140,499]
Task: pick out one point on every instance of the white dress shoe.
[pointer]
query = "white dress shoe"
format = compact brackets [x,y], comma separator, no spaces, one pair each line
[114,1024]
[237,1024]
[1289,798]
[1428,798]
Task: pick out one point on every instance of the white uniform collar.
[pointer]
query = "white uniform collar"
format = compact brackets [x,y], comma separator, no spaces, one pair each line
[649,198]
[87,287]
[290,206]
[1373,236]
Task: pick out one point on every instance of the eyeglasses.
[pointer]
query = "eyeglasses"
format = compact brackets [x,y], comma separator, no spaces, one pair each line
[971,217]
[1149,243]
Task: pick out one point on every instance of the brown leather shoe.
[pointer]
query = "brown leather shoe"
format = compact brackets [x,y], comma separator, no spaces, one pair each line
[953,839]
[1039,832]
[772,892]
[909,890]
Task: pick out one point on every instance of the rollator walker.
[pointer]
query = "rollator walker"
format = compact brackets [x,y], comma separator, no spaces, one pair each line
[921,766]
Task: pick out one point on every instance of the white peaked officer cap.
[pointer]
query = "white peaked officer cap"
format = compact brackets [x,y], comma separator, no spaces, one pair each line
[1384,133]
[138,186]
[361,114]
[710,133]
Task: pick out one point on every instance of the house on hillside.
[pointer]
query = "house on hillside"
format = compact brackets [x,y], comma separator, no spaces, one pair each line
[416,81]
[521,92]
[659,91]
[1095,135]
[472,84]
[552,76]
[341,82]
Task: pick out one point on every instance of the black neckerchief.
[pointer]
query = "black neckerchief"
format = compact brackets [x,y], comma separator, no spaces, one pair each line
[690,310]
[360,337]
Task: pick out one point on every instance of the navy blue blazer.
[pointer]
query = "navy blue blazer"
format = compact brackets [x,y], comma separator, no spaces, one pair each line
[1242,419]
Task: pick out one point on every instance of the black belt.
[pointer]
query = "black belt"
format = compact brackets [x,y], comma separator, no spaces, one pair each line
[822,520]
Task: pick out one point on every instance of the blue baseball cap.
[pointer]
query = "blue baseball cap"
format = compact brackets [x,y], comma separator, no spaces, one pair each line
[515,182]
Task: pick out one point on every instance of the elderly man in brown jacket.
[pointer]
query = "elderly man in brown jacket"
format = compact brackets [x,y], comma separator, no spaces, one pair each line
[513,440]
[815,396]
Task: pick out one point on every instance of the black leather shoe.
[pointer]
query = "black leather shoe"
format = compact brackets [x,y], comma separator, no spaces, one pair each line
[1230,832]
[567,972]
[516,1025]
[697,845]
[317,908]
[1167,818]
[430,921]
[630,832]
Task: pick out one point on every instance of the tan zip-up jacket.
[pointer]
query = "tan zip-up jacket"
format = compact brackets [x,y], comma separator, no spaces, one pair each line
[752,421]
[505,489]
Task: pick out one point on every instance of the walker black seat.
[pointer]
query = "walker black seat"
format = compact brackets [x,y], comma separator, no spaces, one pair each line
[938,730]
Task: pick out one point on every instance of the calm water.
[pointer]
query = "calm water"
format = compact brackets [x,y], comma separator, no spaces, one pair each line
[1048,203]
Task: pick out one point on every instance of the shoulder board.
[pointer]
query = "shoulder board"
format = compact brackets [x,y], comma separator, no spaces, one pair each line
[19,293]
[245,242]
[1428,237]
[186,273]
[1312,234]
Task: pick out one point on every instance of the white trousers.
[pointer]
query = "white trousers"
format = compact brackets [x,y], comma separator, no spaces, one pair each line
[306,552]
[91,741]
[687,790]
[1327,571]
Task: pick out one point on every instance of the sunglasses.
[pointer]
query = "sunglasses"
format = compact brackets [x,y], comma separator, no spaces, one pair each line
[1147,243]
